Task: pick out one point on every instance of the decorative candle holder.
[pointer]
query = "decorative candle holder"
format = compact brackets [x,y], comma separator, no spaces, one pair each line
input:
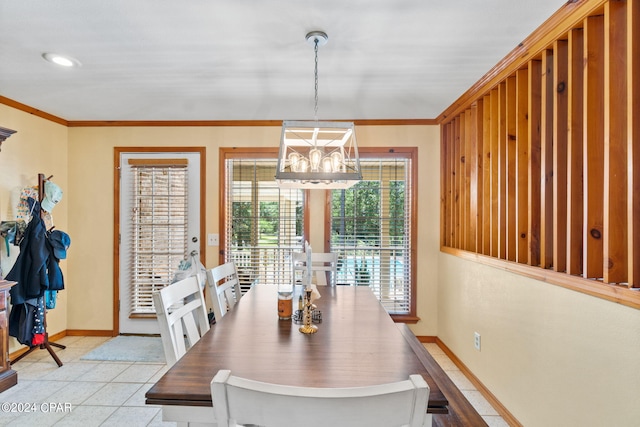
[307,314]
[298,316]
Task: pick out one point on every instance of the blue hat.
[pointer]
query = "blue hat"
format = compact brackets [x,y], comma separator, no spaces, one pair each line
[52,195]
[60,242]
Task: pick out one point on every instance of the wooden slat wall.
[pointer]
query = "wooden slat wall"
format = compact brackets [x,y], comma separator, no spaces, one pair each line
[534,166]
[480,174]
[633,135]
[593,175]
[445,186]
[546,160]
[522,189]
[615,147]
[457,175]
[486,179]
[502,170]
[559,156]
[543,168]
[511,172]
[472,176]
[495,184]
[575,197]
[464,188]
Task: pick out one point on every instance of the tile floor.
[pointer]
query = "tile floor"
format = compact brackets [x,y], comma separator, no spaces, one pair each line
[94,393]
[484,408]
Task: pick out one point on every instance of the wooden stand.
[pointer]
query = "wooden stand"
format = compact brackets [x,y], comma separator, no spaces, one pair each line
[46,344]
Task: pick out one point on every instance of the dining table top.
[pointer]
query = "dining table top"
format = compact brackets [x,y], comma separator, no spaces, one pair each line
[357,344]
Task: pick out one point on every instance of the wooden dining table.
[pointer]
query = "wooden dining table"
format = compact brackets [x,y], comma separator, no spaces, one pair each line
[357,344]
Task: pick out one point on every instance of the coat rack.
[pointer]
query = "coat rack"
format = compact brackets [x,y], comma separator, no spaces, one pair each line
[46,344]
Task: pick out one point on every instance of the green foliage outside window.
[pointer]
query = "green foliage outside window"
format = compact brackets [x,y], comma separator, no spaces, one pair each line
[241,229]
[356,215]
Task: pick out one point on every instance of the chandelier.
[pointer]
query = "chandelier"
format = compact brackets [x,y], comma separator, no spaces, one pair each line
[317,154]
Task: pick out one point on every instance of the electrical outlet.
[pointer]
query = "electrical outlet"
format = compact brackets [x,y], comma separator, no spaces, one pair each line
[213,239]
[476,340]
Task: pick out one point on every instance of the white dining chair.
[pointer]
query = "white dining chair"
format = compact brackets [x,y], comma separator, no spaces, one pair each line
[182,317]
[223,285]
[322,263]
[240,401]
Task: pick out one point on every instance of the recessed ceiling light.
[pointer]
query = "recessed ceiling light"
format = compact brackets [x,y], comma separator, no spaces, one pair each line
[65,61]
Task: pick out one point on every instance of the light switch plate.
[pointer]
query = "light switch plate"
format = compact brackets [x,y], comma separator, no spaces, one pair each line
[213,239]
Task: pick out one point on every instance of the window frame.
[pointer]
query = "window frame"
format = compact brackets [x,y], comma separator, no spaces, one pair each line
[410,153]
[246,153]
[227,153]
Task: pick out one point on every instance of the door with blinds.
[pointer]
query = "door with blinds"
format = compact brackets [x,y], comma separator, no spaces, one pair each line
[159,229]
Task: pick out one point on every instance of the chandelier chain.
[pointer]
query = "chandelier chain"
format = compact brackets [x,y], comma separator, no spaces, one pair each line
[315,109]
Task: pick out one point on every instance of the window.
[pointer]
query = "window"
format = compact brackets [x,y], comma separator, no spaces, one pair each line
[371,225]
[158,227]
[371,230]
[263,224]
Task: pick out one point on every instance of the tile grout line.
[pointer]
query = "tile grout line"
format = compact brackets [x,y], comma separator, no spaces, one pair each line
[449,367]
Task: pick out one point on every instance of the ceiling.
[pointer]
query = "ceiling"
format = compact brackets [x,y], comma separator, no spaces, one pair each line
[248,59]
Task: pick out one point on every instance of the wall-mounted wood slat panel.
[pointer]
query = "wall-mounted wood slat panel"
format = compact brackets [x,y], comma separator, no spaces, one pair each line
[462,178]
[543,168]
[535,111]
[456,183]
[594,146]
[511,170]
[472,165]
[452,183]
[546,161]
[481,173]
[502,171]
[522,141]
[560,135]
[466,156]
[495,187]
[575,189]
[633,135]
[486,175]
[615,144]
[445,185]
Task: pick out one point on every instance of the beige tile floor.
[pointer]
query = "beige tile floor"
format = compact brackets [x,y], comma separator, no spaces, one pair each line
[484,408]
[94,393]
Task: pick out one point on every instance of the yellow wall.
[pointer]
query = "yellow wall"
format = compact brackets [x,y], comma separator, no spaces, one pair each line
[91,169]
[552,356]
[38,146]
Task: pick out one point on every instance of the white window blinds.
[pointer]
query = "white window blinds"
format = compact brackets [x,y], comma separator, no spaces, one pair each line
[264,223]
[371,232]
[158,227]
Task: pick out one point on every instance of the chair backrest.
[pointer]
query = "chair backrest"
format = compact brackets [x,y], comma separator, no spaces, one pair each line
[182,316]
[224,288]
[242,401]
[321,264]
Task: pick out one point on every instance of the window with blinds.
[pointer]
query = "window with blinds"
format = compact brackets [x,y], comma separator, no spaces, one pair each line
[263,223]
[371,232]
[159,227]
